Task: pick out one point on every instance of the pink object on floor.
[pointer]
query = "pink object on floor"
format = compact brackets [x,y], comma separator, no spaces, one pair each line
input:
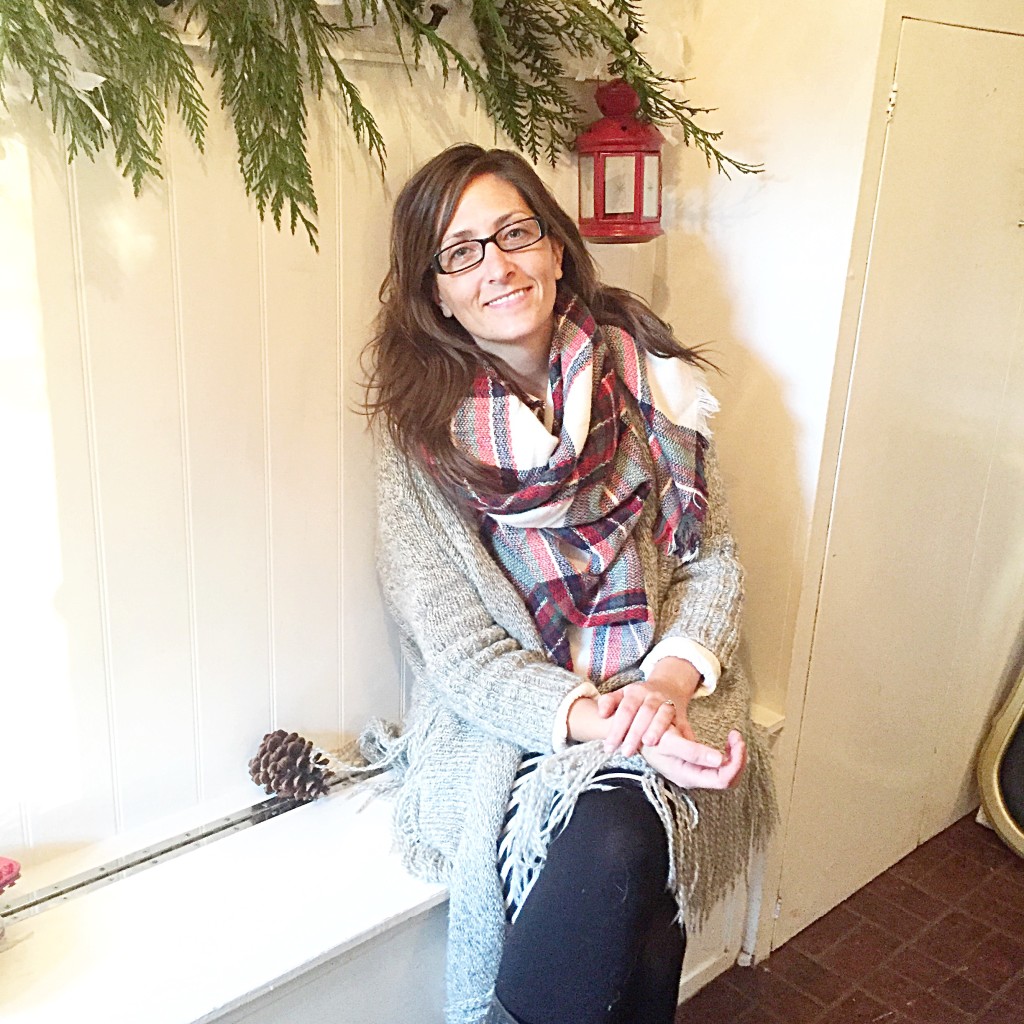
[10,872]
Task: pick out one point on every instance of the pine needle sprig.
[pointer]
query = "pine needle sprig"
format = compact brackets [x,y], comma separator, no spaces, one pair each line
[319,38]
[256,66]
[629,14]
[28,41]
[135,133]
[522,40]
[404,21]
[141,69]
[165,63]
[133,96]
[267,56]
[520,52]
[661,108]
[109,70]
[652,89]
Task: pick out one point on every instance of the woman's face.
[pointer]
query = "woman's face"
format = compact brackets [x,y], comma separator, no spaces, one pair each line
[506,302]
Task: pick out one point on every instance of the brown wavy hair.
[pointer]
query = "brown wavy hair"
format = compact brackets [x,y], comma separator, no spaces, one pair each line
[421,364]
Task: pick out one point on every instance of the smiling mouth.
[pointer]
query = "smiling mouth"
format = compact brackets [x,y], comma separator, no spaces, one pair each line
[507,297]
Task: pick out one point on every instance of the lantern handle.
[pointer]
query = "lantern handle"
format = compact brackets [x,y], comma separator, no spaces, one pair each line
[617,98]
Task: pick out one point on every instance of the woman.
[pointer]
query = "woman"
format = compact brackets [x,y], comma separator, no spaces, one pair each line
[555,551]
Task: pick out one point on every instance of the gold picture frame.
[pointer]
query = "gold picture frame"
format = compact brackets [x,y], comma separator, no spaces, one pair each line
[1005,727]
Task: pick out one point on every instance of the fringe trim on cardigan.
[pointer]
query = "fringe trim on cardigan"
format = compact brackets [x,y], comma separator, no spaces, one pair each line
[711,837]
[704,864]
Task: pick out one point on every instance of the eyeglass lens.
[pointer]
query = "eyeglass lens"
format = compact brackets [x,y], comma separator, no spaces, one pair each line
[463,255]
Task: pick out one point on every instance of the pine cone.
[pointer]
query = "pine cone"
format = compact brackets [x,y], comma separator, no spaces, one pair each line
[288,765]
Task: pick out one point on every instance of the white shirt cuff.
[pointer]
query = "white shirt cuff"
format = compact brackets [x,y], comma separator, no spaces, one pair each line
[703,660]
[560,730]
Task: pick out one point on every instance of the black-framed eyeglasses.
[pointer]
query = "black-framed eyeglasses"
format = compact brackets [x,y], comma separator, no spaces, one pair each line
[470,251]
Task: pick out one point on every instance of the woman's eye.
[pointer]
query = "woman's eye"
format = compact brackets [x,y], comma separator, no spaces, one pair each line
[515,234]
[456,256]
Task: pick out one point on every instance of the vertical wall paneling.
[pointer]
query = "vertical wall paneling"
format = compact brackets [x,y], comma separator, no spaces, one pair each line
[52,686]
[222,330]
[402,163]
[131,371]
[370,663]
[344,423]
[268,469]
[174,240]
[28,589]
[301,331]
[63,704]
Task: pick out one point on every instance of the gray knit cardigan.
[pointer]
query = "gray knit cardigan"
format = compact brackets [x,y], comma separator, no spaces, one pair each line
[485,692]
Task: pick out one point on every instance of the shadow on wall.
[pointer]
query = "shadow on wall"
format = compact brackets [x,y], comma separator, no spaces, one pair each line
[757,441]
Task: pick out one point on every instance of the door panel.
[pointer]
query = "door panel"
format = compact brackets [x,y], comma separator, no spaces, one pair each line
[924,568]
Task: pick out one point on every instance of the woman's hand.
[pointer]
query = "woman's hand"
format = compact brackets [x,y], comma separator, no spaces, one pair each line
[637,716]
[673,759]
[641,713]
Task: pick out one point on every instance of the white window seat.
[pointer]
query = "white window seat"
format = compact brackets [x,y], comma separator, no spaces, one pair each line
[222,931]
[308,918]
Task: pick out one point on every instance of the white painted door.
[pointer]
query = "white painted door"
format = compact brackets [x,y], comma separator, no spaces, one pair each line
[923,583]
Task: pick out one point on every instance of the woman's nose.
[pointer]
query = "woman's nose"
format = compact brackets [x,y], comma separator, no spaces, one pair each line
[497,263]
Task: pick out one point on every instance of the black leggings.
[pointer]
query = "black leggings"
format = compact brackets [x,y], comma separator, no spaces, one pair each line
[595,941]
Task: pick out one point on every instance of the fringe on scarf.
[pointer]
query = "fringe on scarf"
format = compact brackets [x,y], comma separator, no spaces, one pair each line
[707,404]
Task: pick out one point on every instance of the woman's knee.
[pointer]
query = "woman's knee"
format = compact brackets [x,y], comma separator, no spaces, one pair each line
[618,841]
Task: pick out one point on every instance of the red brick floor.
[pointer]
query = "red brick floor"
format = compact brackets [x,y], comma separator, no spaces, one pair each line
[936,939]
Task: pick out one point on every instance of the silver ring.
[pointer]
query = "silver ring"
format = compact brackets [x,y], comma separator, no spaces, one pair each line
[670,703]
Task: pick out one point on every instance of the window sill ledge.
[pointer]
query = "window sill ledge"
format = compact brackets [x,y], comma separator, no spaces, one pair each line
[206,932]
[768,720]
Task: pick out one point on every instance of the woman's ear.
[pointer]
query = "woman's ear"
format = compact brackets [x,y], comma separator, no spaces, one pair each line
[445,309]
[559,249]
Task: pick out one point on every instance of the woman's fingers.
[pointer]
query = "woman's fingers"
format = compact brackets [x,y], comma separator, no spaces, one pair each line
[629,703]
[694,775]
[736,757]
[675,745]
[664,717]
[607,703]
[652,719]
[641,716]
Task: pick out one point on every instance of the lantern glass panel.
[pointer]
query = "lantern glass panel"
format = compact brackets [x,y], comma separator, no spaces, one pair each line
[619,180]
[586,188]
[651,185]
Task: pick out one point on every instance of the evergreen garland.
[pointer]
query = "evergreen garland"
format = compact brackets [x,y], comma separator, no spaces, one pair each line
[109,70]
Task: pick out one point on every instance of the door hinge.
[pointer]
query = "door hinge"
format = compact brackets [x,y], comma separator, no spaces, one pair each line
[890,107]
[778,909]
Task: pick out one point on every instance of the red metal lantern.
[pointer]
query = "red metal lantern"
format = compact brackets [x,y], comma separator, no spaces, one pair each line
[620,171]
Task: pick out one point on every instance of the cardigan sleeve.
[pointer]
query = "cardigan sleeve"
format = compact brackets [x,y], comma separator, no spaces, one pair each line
[704,599]
[434,573]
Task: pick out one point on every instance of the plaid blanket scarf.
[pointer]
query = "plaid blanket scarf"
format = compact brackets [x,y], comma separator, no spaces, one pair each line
[574,487]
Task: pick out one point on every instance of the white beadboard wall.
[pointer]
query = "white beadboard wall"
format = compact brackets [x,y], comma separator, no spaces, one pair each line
[186,535]
[187,528]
